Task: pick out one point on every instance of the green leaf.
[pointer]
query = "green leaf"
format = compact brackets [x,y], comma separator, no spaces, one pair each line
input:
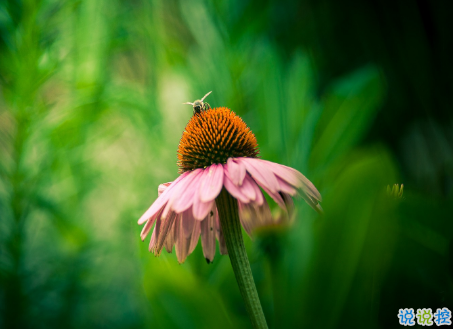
[348,111]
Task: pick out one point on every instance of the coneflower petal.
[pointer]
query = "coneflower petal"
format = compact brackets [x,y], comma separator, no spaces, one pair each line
[286,188]
[246,218]
[149,224]
[275,196]
[259,195]
[312,202]
[260,173]
[195,235]
[186,200]
[253,216]
[212,183]
[234,190]
[200,209]
[248,188]
[264,213]
[155,235]
[161,200]
[208,233]
[235,171]
[295,178]
[181,188]
[286,173]
[289,204]
[186,240]
[166,211]
[182,242]
[308,186]
[187,235]
[171,236]
[162,188]
[165,228]
[187,223]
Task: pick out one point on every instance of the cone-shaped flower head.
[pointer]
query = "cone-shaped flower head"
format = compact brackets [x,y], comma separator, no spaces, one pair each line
[217,150]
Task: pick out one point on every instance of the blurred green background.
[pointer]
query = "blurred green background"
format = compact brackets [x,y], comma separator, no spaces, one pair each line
[356,95]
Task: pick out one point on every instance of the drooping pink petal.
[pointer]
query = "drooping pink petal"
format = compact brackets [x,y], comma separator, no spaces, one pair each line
[319,209]
[253,216]
[182,242]
[289,204]
[149,224]
[246,218]
[200,209]
[248,189]
[235,171]
[155,235]
[162,188]
[264,212]
[152,211]
[166,225]
[312,203]
[208,232]
[286,188]
[295,178]
[195,235]
[160,201]
[166,210]
[171,237]
[187,235]
[276,197]
[188,223]
[181,188]
[212,183]
[260,173]
[185,201]
[286,173]
[308,186]
[186,241]
[242,172]
[234,190]
[259,195]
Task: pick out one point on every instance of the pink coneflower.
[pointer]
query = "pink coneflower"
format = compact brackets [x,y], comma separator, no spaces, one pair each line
[218,153]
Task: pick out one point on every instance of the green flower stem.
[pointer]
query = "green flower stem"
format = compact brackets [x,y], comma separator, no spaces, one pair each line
[231,227]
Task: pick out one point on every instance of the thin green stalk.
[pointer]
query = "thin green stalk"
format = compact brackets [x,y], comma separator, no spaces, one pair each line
[231,227]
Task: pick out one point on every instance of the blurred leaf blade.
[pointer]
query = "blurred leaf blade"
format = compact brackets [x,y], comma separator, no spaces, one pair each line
[348,111]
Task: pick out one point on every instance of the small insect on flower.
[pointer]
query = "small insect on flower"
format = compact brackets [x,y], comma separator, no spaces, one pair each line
[199,105]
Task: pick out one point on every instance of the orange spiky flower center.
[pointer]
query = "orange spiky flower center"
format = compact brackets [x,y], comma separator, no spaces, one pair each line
[213,136]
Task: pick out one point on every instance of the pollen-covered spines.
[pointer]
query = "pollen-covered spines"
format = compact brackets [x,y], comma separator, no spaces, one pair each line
[213,136]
